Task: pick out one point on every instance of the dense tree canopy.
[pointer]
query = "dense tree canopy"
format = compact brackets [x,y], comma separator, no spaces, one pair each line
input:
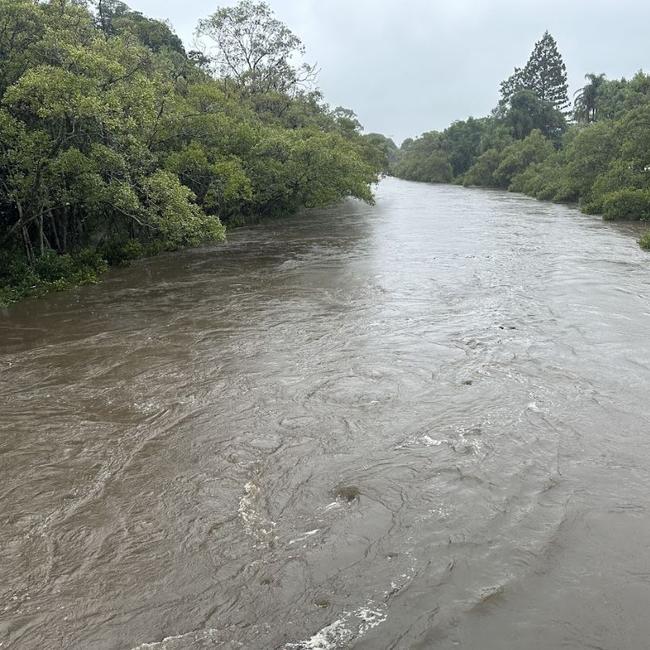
[544,75]
[601,160]
[115,142]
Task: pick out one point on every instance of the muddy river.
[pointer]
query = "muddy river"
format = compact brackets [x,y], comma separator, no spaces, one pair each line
[422,424]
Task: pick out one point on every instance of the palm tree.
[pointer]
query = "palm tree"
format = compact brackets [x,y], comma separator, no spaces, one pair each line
[586,99]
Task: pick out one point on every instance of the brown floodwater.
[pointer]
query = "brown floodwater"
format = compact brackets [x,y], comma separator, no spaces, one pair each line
[423,424]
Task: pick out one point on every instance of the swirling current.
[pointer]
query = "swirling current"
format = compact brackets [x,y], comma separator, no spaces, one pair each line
[419,424]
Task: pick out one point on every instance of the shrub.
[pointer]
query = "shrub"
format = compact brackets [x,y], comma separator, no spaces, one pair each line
[482,172]
[645,241]
[518,156]
[120,253]
[621,174]
[51,266]
[627,204]
[50,272]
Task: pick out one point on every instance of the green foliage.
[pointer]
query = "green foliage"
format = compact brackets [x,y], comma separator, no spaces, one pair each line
[644,242]
[544,75]
[483,170]
[169,209]
[586,102]
[518,156]
[121,253]
[254,49]
[546,180]
[589,155]
[627,204]
[462,144]
[601,162]
[527,113]
[51,272]
[472,151]
[114,140]
[382,151]
[440,157]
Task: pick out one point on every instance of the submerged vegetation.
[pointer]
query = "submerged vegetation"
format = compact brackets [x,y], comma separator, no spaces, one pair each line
[597,156]
[115,142]
[645,241]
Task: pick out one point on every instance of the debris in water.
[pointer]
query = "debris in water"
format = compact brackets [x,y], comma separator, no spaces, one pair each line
[348,493]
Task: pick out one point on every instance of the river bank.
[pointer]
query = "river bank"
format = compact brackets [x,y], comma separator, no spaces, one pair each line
[54,272]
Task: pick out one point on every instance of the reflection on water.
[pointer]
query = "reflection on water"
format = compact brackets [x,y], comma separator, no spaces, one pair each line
[422,424]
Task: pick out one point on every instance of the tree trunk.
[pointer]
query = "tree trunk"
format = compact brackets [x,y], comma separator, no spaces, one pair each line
[65,232]
[57,241]
[41,236]
[29,251]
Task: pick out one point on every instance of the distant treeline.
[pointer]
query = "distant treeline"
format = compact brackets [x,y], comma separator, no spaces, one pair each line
[115,142]
[597,155]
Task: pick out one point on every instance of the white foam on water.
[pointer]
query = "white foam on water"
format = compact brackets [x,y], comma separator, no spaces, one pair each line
[370,618]
[332,636]
[428,441]
[441,511]
[255,524]
[423,440]
[304,536]
[348,628]
[181,641]
[400,582]
[464,443]
[289,265]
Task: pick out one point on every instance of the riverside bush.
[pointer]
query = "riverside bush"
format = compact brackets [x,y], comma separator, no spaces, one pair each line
[645,241]
[117,142]
[50,272]
[599,160]
[627,203]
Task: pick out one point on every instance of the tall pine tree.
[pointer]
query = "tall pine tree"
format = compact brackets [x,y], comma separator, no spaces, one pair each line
[544,74]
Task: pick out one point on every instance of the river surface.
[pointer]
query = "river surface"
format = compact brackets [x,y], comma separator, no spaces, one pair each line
[423,424]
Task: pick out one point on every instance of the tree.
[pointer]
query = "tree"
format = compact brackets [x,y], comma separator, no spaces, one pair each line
[346,120]
[462,142]
[255,50]
[517,157]
[590,154]
[544,74]
[586,99]
[424,159]
[511,86]
[114,141]
[383,150]
[106,11]
[482,171]
[527,112]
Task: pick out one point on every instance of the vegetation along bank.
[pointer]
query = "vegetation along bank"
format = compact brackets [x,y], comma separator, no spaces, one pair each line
[115,142]
[596,155]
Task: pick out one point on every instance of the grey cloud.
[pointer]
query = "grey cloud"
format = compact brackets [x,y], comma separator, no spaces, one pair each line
[416,65]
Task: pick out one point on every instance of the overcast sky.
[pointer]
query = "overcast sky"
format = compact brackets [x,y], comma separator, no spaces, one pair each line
[408,66]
